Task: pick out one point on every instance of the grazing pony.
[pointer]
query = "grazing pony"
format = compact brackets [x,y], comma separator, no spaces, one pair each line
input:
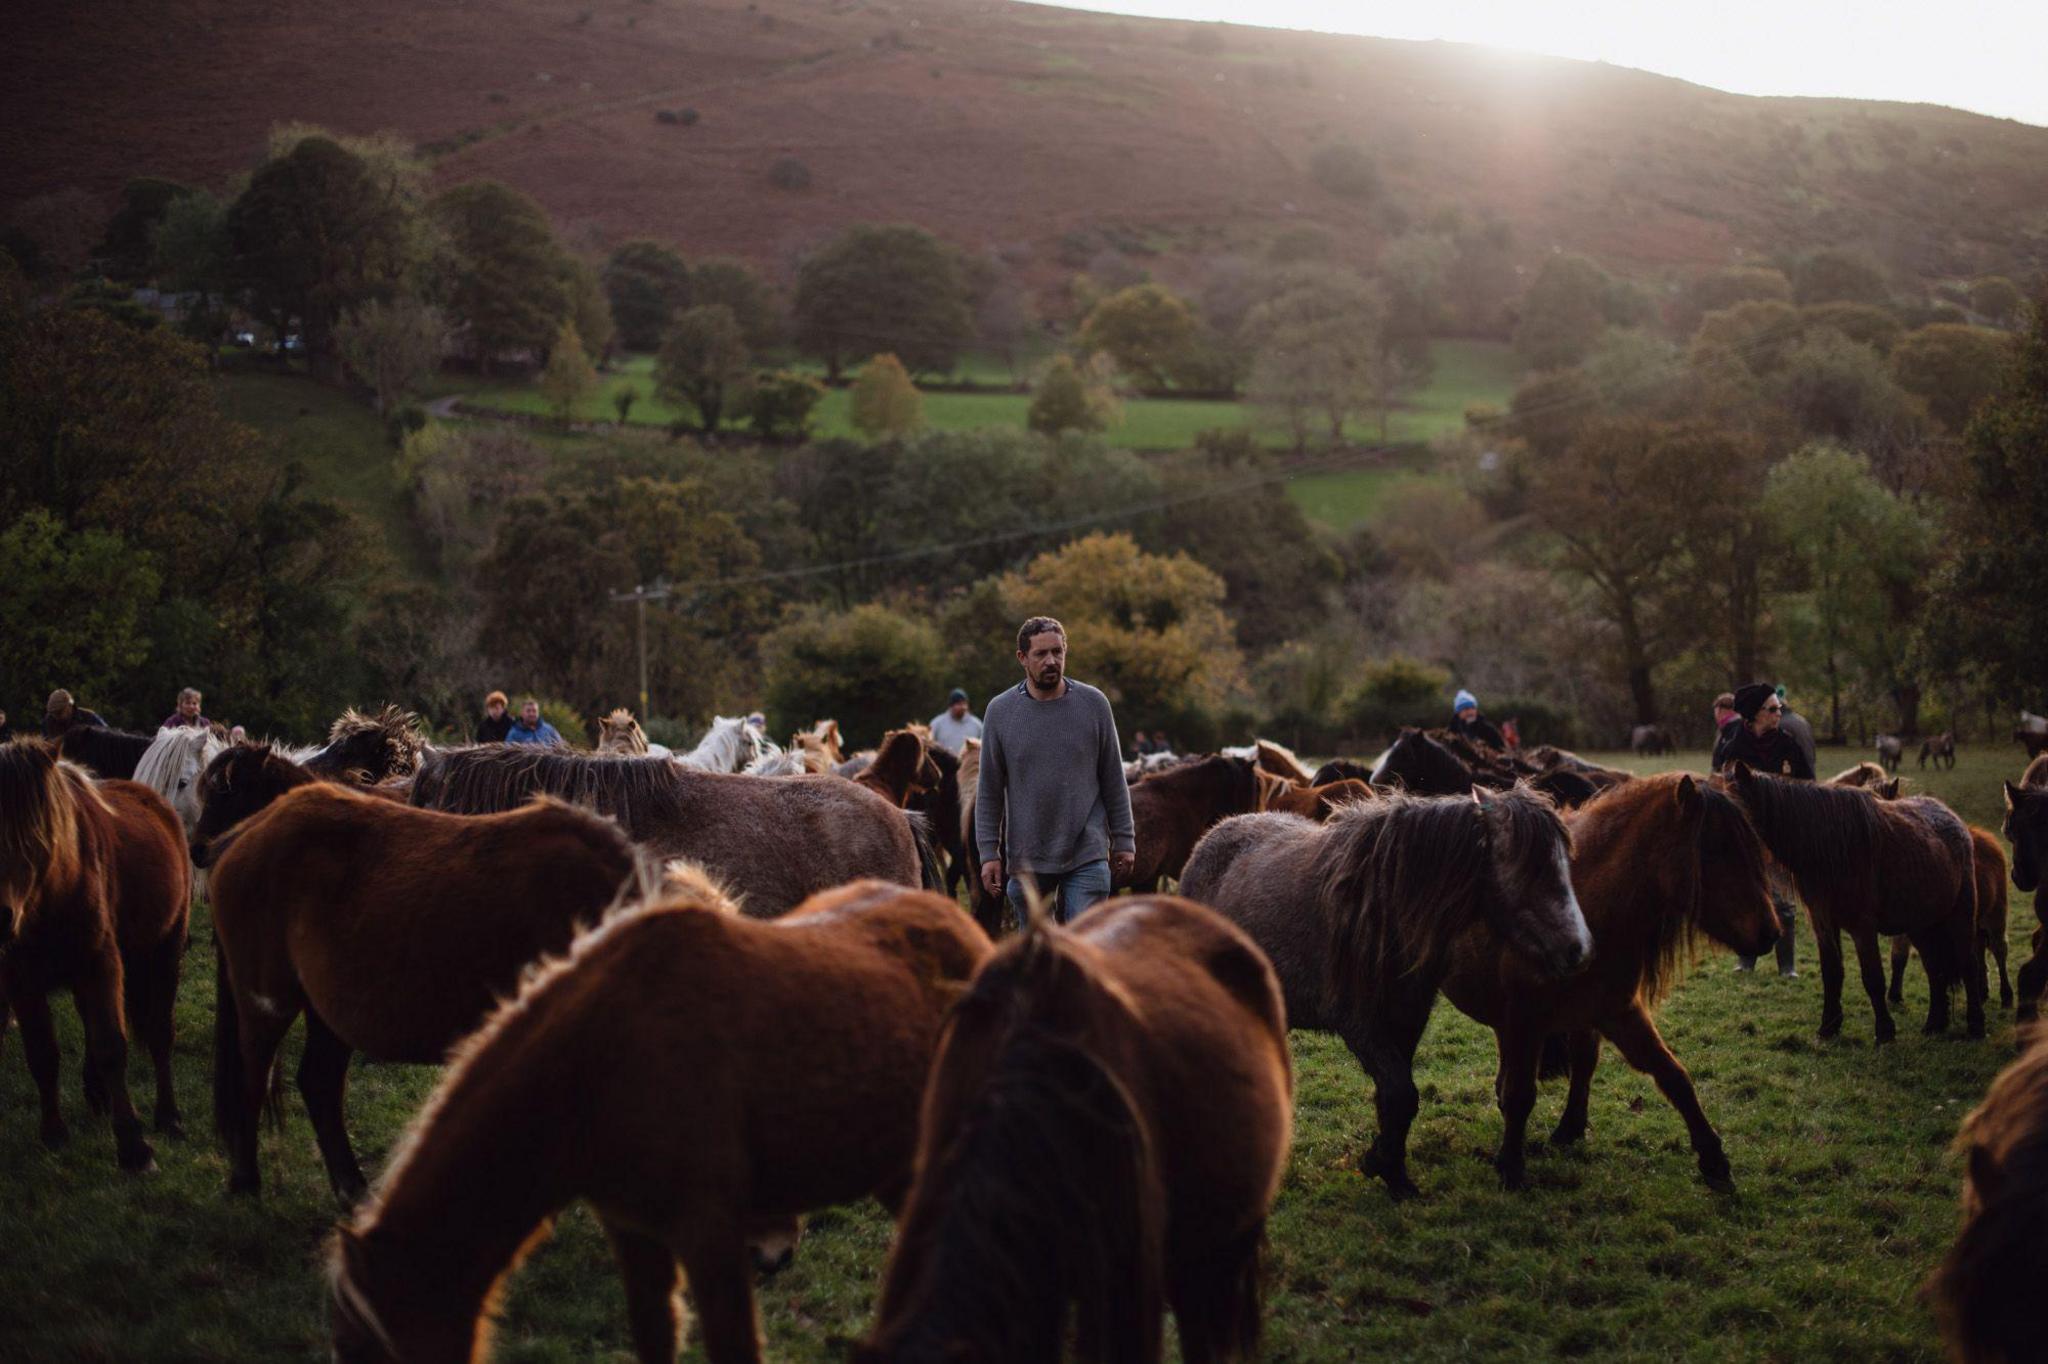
[620,733]
[1942,745]
[1657,864]
[393,930]
[1890,750]
[773,840]
[1171,811]
[1650,741]
[1551,758]
[108,753]
[2026,828]
[1984,1292]
[368,749]
[1989,861]
[2032,733]
[1359,915]
[1871,867]
[94,895]
[1105,1128]
[690,1074]
[173,765]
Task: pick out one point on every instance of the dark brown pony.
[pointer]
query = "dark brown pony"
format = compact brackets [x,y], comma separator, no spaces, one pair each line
[94,894]
[247,778]
[1986,1293]
[368,749]
[108,753]
[2026,828]
[1316,802]
[1341,769]
[773,840]
[1873,867]
[1105,1128]
[1938,747]
[687,1072]
[1658,864]
[1989,863]
[1171,810]
[901,767]
[1359,914]
[393,930]
[1871,777]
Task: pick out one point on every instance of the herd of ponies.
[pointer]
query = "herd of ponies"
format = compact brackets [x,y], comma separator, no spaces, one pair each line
[708,993]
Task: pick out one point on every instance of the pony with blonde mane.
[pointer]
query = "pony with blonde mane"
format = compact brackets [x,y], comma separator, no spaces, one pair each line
[620,733]
[94,896]
[819,746]
[692,1075]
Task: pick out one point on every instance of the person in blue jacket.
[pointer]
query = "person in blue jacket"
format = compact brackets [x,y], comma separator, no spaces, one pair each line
[530,728]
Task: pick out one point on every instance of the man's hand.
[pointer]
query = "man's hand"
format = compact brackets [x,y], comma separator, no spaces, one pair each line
[1121,865]
[992,878]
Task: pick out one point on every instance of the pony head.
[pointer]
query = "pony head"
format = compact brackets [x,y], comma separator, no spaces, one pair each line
[619,732]
[1734,896]
[39,800]
[173,765]
[2026,828]
[1531,903]
[235,785]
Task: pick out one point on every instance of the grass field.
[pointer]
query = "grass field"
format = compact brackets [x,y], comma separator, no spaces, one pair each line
[1467,371]
[1617,1250]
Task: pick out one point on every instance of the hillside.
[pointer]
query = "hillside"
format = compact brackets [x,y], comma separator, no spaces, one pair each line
[1043,134]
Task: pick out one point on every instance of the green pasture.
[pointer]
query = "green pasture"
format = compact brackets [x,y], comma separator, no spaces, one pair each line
[1617,1251]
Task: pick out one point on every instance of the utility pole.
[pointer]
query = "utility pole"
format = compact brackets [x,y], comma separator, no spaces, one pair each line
[640,596]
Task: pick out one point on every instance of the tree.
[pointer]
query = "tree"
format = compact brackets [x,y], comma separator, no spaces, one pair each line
[1834,275]
[753,303]
[509,288]
[623,398]
[190,255]
[1317,343]
[52,235]
[1952,367]
[75,610]
[883,401]
[1344,169]
[1069,398]
[1998,299]
[1563,314]
[854,667]
[1724,288]
[703,362]
[1864,323]
[314,235]
[569,377]
[1746,341]
[126,251]
[589,309]
[1844,537]
[779,405]
[895,286]
[1837,389]
[647,284]
[393,347]
[1146,329]
[1412,272]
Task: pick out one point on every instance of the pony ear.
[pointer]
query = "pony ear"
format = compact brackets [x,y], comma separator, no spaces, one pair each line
[1688,796]
[1483,798]
[2014,795]
[1740,771]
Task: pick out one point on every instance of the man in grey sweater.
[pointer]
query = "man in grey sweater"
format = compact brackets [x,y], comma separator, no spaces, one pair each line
[1052,795]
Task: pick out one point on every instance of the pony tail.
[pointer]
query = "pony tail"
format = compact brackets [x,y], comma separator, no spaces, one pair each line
[1983,1291]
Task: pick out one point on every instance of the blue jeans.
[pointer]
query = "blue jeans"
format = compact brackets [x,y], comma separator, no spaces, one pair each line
[1069,892]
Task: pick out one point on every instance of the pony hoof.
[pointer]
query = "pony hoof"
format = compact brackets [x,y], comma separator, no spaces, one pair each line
[1830,1029]
[1402,1188]
[1513,1180]
[1722,1183]
[1568,1136]
[138,1158]
[172,1127]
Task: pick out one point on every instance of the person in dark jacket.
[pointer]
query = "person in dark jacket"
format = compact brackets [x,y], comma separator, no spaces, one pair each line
[1755,737]
[62,714]
[1468,723]
[1794,724]
[497,721]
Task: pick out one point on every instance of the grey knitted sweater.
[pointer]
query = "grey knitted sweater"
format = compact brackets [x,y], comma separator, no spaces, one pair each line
[1052,793]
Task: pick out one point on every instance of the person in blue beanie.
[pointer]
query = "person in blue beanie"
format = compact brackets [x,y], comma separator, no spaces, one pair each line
[1468,723]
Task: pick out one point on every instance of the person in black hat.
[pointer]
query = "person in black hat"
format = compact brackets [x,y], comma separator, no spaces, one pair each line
[955,725]
[1756,736]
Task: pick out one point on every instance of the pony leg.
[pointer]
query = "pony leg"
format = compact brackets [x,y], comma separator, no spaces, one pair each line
[1999,949]
[1902,951]
[158,1023]
[39,1047]
[106,1051]
[648,1268]
[1969,954]
[1827,943]
[1520,1047]
[262,1033]
[1387,1052]
[1870,965]
[1584,1048]
[1636,1037]
[1215,1299]
[323,1083]
[724,1298]
[91,1083]
[2033,977]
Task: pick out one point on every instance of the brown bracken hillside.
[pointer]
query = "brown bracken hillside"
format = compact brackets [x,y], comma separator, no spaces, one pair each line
[1029,131]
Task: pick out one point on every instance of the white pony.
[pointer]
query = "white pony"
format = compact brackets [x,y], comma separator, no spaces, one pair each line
[171,765]
[728,746]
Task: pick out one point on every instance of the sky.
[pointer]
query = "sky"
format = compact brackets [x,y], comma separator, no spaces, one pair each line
[1989,56]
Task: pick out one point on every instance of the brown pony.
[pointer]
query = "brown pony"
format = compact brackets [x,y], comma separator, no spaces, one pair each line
[1985,1292]
[368,749]
[1940,746]
[1359,914]
[1989,862]
[687,1072]
[902,767]
[1657,863]
[819,746]
[1871,777]
[94,895]
[393,930]
[106,753]
[247,778]
[1106,1126]
[1171,810]
[1281,762]
[1316,802]
[1872,867]
[2026,828]
[620,733]
[988,909]
[773,840]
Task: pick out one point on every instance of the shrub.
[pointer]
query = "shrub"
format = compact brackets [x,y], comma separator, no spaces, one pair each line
[667,116]
[1344,169]
[1068,399]
[789,173]
[859,667]
[573,727]
[779,405]
[1398,691]
[884,402]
